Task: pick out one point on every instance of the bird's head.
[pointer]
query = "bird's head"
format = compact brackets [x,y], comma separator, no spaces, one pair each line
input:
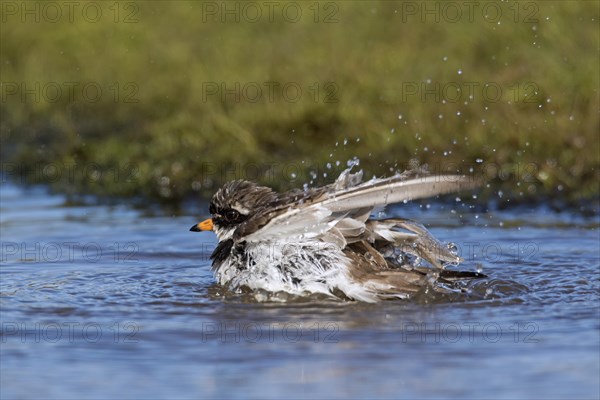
[232,205]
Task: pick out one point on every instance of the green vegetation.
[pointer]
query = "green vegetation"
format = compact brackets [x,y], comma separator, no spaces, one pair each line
[189,101]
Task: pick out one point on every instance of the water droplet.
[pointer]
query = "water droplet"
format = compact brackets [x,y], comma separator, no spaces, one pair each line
[354,162]
[453,248]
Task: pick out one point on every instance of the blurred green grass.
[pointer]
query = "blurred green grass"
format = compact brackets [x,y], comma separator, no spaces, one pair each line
[372,81]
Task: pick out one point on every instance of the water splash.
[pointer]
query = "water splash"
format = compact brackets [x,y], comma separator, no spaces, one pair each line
[354,162]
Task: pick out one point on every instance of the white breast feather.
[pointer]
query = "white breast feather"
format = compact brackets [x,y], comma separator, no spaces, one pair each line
[318,267]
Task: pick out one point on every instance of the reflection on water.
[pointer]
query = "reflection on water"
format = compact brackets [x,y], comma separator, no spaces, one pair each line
[104,301]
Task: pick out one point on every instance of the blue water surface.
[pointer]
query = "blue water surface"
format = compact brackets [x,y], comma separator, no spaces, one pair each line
[110,301]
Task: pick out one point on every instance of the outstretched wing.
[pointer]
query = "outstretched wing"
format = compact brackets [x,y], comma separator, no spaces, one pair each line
[396,190]
[316,215]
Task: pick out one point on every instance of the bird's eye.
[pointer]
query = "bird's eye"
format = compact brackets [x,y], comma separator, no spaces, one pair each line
[231,215]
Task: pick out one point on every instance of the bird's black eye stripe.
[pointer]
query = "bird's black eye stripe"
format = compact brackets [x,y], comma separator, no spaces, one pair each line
[212,209]
[230,216]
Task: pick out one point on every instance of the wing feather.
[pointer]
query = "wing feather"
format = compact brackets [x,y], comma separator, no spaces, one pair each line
[317,215]
[397,190]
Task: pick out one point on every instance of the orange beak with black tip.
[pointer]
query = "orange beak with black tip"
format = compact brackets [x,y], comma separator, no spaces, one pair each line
[206,225]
